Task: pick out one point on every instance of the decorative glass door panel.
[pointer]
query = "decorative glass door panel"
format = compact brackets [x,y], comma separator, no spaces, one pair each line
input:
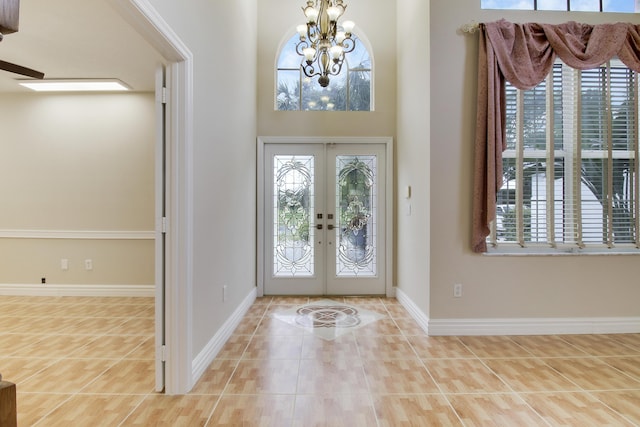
[324,219]
[356,213]
[293,225]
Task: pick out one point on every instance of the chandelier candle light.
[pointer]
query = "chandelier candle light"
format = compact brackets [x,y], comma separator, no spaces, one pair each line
[322,43]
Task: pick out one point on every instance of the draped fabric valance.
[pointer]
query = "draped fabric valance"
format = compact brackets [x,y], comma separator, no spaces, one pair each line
[523,55]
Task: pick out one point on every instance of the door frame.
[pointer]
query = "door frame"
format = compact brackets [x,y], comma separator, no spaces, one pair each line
[389,220]
[177,352]
[161,161]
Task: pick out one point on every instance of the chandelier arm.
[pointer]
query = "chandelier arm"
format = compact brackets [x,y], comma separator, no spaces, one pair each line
[336,67]
[313,33]
[348,45]
[333,29]
[309,70]
[302,44]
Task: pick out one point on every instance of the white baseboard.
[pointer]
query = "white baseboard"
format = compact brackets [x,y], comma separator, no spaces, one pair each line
[415,312]
[542,326]
[77,290]
[213,347]
[519,326]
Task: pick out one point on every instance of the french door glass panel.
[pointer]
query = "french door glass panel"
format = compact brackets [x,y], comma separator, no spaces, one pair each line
[324,219]
[356,215]
[293,207]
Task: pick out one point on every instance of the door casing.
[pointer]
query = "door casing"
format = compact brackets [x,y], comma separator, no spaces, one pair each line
[389,218]
[143,18]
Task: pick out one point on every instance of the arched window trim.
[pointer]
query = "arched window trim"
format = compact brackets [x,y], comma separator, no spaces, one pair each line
[362,38]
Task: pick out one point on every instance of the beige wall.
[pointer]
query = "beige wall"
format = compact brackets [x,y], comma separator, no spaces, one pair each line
[74,163]
[277,24]
[413,152]
[500,287]
[425,96]
[235,46]
[222,38]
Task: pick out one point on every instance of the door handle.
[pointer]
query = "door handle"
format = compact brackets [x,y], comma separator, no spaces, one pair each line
[319,226]
[330,226]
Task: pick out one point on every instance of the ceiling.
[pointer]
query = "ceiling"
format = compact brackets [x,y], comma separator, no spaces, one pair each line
[77,39]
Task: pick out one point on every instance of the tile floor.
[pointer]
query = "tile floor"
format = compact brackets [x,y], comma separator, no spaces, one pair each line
[89,362]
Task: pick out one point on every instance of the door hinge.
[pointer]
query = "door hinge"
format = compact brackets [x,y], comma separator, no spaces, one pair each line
[163,353]
[164,95]
[164,224]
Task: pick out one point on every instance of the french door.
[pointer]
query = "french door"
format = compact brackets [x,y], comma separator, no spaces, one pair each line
[324,219]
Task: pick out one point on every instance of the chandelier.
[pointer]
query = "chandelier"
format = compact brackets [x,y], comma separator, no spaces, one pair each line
[323,43]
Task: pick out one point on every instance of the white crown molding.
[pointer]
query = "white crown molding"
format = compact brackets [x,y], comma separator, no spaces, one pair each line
[77,234]
[79,290]
[202,361]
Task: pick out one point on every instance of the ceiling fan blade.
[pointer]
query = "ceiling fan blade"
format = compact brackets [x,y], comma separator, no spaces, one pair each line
[18,69]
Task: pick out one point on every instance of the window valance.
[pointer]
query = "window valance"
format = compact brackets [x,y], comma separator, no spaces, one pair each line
[523,54]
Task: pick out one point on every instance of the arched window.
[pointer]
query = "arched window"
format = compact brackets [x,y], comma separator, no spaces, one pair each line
[348,91]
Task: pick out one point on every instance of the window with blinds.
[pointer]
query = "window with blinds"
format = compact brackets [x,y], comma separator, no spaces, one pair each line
[623,6]
[570,175]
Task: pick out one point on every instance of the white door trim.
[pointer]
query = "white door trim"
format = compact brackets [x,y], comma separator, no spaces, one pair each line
[160,203]
[386,141]
[143,18]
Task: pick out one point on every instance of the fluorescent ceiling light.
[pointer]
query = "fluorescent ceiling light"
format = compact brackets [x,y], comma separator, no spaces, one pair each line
[75,85]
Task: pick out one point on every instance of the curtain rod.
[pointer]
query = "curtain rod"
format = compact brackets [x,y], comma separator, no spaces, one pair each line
[470,28]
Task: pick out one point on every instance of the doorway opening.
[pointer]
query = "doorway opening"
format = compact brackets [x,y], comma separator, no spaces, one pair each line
[174,354]
[325,215]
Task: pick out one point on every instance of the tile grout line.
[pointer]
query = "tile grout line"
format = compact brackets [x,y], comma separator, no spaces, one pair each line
[512,391]
[580,389]
[295,394]
[440,391]
[422,362]
[107,333]
[605,360]
[591,392]
[135,408]
[63,333]
[366,378]
[235,368]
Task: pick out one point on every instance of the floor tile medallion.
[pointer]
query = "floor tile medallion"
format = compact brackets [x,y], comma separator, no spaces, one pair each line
[328,319]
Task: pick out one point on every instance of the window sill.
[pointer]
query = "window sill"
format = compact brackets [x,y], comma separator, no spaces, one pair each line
[543,250]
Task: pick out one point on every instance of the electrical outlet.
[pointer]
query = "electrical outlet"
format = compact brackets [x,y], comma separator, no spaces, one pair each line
[457,290]
[88,264]
[64,264]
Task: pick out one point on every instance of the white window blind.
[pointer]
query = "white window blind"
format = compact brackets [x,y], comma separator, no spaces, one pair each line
[570,172]
[619,6]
